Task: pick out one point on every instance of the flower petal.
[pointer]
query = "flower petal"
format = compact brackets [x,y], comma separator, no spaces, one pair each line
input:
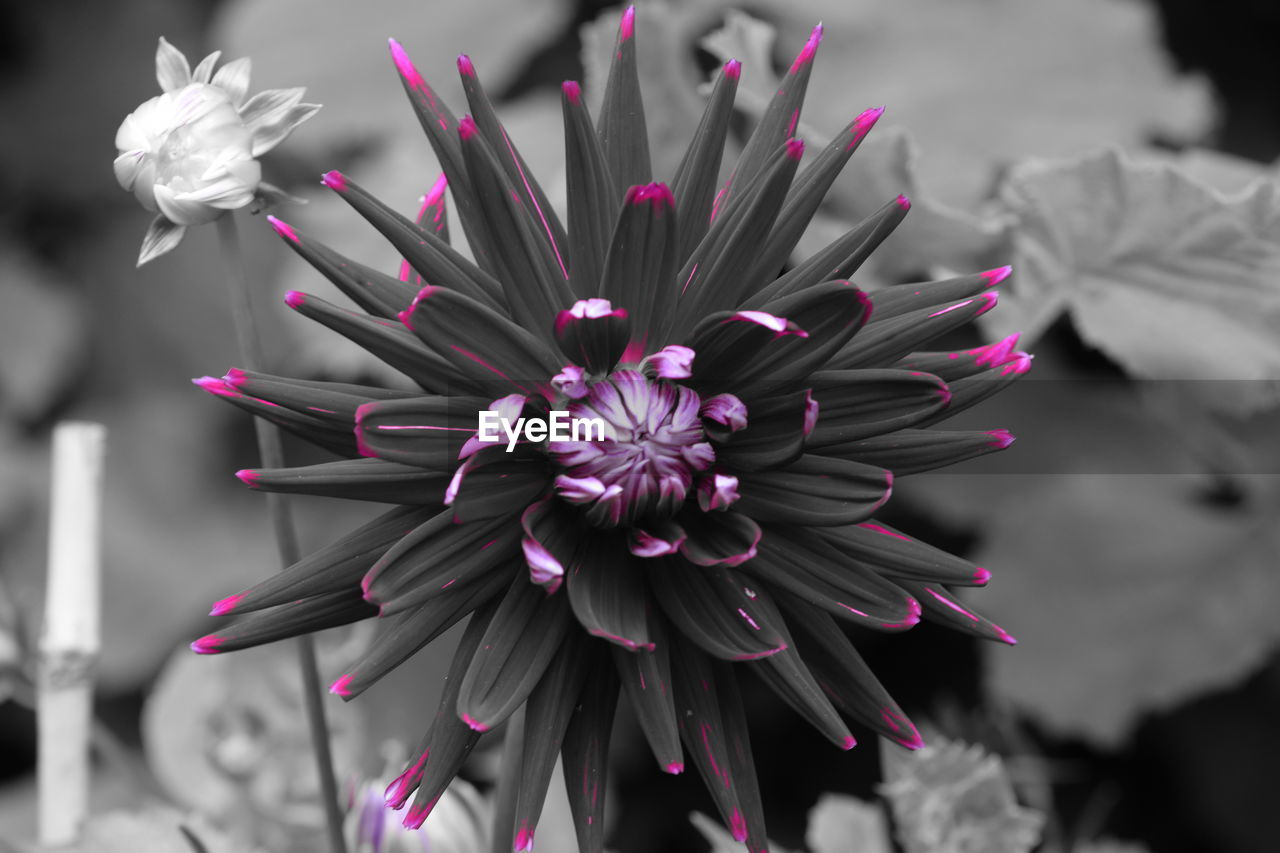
[972,390]
[428,432]
[815,491]
[161,238]
[353,479]
[514,653]
[593,196]
[640,267]
[786,675]
[495,484]
[321,432]
[695,181]
[623,135]
[585,753]
[126,167]
[204,71]
[774,435]
[717,608]
[905,298]
[723,538]
[856,404]
[608,593]
[941,606]
[883,342]
[315,613]
[233,78]
[911,451]
[593,333]
[897,555]
[646,679]
[173,72]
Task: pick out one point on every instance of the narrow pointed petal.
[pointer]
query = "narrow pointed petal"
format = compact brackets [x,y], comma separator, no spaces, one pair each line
[332,402]
[972,390]
[585,753]
[787,675]
[817,572]
[593,195]
[434,259]
[841,258]
[911,451]
[233,78]
[715,276]
[640,267]
[777,124]
[441,128]
[941,606]
[749,820]
[844,676]
[961,364]
[695,181]
[386,339]
[317,430]
[856,404]
[608,593]
[334,568]
[354,479]
[882,343]
[646,680]
[547,715]
[532,198]
[315,613]
[428,432]
[448,741]
[550,542]
[593,333]
[161,238]
[479,343]
[378,294]
[203,72]
[717,608]
[437,555]
[532,271]
[495,484]
[893,553]
[516,649]
[172,69]
[407,633]
[815,491]
[774,435]
[623,135]
[715,539]
[507,789]
[905,298]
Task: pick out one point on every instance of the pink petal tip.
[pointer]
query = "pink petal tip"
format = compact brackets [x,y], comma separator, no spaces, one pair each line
[997,275]
[903,202]
[295,298]
[808,51]
[207,645]
[982,575]
[334,180]
[572,90]
[474,724]
[224,606]
[404,65]
[467,128]
[284,229]
[795,149]
[627,27]
[849,743]
[342,687]
[1001,438]
[465,67]
[733,69]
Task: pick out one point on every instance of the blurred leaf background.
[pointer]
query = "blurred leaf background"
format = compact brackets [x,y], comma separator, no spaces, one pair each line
[1121,153]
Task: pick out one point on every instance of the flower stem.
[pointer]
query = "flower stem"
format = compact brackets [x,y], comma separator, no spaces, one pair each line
[271,453]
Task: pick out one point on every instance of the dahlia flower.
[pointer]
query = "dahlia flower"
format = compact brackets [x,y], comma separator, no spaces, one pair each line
[754,421]
[191,153]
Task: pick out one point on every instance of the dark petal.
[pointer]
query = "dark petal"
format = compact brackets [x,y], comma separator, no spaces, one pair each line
[428,432]
[354,479]
[844,676]
[623,135]
[585,752]
[593,195]
[315,613]
[608,593]
[721,538]
[777,124]
[334,568]
[910,451]
[943,607]
[496,484]
[715,275]
[437,555]
[406,633]
[841,258]
[533,274]
[479,343]
[800,563]
[546,718]
[882,343]
[906,298]
[532,198]
[961,364]
[702,729]
[441,127]
[514,653]
[593,333]
[386,339]
[972,390]
[434,259]
[774,435]
[646,678]
[640,267]
[550,541]
[507,789]
[854,404]
[786,675]
[814,491]
[717,608]
[807,193]
[375,292]
[432,216]
[335,402]
[309,427]
[448,741]
[734,718]
[829,315]
[893,553]
[695,181]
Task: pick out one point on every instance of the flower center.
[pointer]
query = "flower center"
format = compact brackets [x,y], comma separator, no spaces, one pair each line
[644,466]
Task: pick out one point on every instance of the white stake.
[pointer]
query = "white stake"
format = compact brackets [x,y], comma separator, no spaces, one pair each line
[69,640]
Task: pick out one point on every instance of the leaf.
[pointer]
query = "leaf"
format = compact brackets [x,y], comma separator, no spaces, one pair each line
[951,797]
[1132,591]
[840,823]
[1168,277]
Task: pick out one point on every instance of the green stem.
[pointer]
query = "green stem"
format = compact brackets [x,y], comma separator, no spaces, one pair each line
[271,453]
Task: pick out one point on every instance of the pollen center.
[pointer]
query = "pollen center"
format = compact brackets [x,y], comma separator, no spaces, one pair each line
[644,464]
